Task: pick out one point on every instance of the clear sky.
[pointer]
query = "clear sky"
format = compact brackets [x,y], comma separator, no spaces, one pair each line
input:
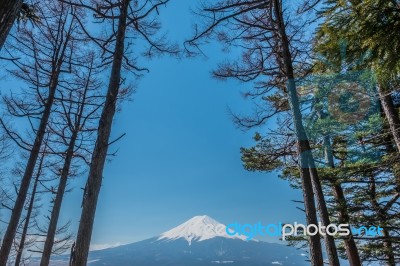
[180,156]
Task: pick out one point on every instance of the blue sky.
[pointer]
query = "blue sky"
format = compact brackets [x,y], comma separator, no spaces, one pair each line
[180,156]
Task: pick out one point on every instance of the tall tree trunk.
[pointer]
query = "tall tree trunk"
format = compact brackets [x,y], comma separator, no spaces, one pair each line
[349,243]
[390,113]
[30,167]
[25,182]
[95,177]
[316,257]
[308,195]
[69,154]
[9,10]
[55,213]
[28,214]
[388,245]
[323,209]
[390,149]
[304,149]
[382,218]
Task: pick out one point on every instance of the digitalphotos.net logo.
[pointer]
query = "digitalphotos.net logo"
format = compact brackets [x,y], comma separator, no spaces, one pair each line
[285,230]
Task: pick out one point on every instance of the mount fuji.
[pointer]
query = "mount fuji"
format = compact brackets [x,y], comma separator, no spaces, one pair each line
[199,228]
[200,241]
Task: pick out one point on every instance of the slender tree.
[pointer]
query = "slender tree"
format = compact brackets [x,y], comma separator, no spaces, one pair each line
[26,236]
[48,53]
[30,209]
[125,17]
[340,199]
[80,104]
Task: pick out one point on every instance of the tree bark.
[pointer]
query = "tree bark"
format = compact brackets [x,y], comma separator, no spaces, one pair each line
[388,245]
[69,154]
[330,244]
[25,182]
[304,149]
[55,213]
[382,218]
[9,10]
[91,194]
[349,243]
[309,203]
[390,113]
[316,257]
[28,214]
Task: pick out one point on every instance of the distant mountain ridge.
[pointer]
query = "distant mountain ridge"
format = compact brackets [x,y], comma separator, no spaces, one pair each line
[200,241]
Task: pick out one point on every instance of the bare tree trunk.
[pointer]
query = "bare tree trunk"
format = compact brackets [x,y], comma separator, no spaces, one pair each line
[394,125]
[390,149]
[316,257]
[349,243]
[304,149]
[55,213]
[69,154]
[29,213]
[323,210]
[390,113]
[9,10]
[26,180]
[95,177]
[388,245]
[308,195]
[382,218]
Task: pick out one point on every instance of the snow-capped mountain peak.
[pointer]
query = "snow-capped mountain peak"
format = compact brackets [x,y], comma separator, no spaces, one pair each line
[198,228]
[208,245]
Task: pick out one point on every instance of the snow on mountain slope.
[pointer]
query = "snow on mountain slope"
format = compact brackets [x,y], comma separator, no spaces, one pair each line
[199,228]
[201,241]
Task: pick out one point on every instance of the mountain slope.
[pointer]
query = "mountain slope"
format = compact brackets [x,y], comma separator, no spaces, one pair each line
[218,250]
[200,241]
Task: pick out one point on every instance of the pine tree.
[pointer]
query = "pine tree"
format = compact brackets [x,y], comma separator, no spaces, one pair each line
[274,54]
[370,30]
